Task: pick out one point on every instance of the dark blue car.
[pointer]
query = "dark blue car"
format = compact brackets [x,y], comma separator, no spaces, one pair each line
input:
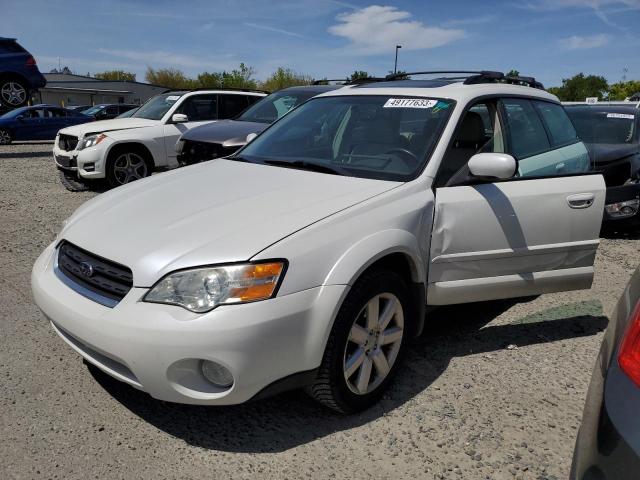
[19,74]
[40,122]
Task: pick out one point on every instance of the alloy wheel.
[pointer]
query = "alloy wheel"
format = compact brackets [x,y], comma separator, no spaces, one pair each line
[13,93]
[129,167]
[5,138]
[373,344]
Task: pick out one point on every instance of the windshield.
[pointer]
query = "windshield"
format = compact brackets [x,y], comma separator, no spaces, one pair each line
[156,107]
[92,110]
[364,136]
[272,107]
[15,113]
[597,126]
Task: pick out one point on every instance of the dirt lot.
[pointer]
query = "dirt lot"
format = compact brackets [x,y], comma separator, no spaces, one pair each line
[465,406]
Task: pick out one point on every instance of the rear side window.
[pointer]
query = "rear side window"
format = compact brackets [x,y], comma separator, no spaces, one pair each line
[560,128]
[199,108]
[9,46]
[232,105]
[526,132]
[56,113]
[251,99]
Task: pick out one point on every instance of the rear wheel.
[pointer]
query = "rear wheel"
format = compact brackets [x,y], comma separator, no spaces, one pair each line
[126,167]
[5,137]
[366,344]
[13,93]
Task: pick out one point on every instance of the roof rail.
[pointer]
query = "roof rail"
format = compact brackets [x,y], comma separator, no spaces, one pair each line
[499,77]
[396,76]
[359,81]
[325,81]
[346,81]
[216,88]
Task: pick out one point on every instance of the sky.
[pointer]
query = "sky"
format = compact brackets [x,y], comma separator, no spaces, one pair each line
[547,39]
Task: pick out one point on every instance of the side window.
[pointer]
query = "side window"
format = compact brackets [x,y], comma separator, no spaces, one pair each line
[232,105]
[560,128]
[480,130]
[526,131]
[251,99]
[548,149]
[199,108]
[34,113]
[112,111]
[56,113]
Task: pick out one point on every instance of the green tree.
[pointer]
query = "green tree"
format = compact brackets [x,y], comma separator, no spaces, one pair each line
[358,75]
[623,90]
[581,86]
[285,77]
[241,77]
[116,75]
[168,77]
[513,73]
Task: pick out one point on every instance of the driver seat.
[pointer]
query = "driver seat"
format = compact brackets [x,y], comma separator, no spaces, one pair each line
[468,140]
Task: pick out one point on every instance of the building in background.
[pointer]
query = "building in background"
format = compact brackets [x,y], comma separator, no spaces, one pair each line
[67,90]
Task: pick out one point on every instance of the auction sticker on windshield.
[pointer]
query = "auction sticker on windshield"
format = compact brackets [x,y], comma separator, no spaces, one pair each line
[410,103]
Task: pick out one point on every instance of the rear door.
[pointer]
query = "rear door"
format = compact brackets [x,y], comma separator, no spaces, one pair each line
[533,234]
[55,120]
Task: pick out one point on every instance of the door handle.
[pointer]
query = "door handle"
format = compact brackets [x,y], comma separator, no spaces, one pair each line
[581,200]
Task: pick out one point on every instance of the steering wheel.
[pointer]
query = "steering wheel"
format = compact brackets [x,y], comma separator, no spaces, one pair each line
[406,155]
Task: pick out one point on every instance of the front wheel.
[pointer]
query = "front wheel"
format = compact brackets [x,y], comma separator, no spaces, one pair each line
[126,167]
[366,344]
[5,137]
[13,93]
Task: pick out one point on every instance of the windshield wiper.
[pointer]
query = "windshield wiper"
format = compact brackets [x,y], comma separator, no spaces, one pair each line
[311,166]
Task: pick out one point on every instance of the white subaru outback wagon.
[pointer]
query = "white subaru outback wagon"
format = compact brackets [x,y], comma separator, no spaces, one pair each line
[307,258]
[122,150]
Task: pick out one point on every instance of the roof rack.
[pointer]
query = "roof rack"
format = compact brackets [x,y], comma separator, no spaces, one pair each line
[471,77]
[216,88]
[325,81]
[346,81]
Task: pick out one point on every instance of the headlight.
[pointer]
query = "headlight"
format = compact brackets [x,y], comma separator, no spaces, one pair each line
[179,146]
[623,209]
[203,289]
[91,141]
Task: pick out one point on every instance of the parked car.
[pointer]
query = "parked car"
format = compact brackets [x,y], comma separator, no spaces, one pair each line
[40,122]
[309,256]
[222,138]
[19,74]
[608,443]
[107,111]
[79,108]
[128,113]
[612,134]
[127,149]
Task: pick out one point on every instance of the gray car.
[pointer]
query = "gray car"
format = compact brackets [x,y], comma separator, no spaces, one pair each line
[222,138]
[608,445]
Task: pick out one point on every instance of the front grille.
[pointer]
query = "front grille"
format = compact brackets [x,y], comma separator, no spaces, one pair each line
[107,279]
[196,152]
[67,143]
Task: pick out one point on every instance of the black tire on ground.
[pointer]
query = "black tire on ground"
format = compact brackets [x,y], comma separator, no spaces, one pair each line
[5,137]
[331,387]
[72,182]
[14,92]
[127,165]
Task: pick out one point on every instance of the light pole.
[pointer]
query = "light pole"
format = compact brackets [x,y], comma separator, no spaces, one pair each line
[395,65]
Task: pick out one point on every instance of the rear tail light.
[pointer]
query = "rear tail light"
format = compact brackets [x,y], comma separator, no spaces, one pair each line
[629,356]
[30,61]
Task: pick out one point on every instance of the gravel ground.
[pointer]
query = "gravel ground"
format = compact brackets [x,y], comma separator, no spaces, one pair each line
[465,406]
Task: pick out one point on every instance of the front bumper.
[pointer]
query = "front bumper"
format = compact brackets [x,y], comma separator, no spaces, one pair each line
[158,348]
[621,194]
[90,163]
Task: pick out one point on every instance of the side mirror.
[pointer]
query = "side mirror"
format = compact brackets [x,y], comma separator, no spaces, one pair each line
[251,136]
[179,118]
[492,165]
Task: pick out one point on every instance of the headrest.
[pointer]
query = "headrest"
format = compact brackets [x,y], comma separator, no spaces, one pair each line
[472,129]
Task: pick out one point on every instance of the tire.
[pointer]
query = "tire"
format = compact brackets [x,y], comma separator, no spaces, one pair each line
[126,166]
[14,93]
[72,182]
[352,351]
[5,137]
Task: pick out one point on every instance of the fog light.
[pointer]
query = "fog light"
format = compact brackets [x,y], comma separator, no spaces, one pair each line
[89,167]
[217,374]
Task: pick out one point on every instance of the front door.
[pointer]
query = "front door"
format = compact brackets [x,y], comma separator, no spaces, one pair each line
[533,234]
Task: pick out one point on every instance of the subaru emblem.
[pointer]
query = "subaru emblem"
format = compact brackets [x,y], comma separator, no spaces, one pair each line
[86,269]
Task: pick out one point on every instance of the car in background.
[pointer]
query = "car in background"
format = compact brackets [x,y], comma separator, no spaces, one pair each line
[222,138]
[39,122]
[78,108]
[107,111]
[608,443]
[612,134]
[19,74]
[122,150]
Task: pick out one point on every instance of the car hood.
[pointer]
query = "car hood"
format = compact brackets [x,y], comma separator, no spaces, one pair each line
[109,126]
[228,133]
[210,213]
[604,153]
